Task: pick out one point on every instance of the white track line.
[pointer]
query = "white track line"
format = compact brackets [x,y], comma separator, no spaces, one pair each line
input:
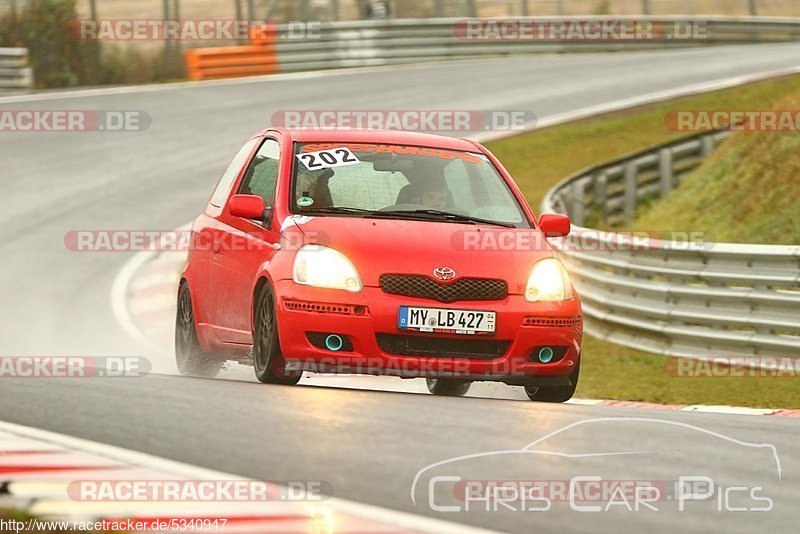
[119,294]
[191,472]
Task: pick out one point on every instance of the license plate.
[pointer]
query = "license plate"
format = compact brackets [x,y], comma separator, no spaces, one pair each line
[468,322]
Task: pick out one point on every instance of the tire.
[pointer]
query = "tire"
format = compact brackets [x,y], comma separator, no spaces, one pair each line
[268,361]
[189,356]
[555,393]
[449,387]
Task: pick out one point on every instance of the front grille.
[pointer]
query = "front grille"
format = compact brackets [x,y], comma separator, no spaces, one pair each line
[419,286]
[474,349]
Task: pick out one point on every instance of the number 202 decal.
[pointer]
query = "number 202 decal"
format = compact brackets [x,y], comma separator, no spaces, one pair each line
[324,159]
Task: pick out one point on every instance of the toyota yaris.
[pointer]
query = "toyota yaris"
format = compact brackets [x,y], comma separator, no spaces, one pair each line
[378,252]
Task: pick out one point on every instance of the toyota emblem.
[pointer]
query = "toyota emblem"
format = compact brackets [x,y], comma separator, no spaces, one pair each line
[444,273]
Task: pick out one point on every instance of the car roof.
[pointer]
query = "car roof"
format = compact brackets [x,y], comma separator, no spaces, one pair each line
[391,137]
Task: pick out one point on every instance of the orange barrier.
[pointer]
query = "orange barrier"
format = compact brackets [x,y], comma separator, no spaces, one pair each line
[232,61]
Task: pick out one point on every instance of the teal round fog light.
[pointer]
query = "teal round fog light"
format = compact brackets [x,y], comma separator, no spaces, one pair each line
[546,355]
[334,343]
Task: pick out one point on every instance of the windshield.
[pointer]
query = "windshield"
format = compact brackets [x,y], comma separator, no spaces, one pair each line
[397,181]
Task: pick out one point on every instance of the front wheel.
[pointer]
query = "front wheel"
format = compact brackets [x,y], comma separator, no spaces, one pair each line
[269,363]
[447,386]
[555,393]
[189,356]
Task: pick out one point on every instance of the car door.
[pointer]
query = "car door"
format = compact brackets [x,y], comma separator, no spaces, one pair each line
[206,238]
[244,245]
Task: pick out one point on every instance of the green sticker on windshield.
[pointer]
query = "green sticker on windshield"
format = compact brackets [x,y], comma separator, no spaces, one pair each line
[305,202]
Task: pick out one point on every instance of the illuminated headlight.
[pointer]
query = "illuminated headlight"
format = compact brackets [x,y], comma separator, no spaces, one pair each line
[549,281]
[315,265]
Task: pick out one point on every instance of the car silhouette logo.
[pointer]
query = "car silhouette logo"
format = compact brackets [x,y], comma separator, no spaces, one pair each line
[444,273]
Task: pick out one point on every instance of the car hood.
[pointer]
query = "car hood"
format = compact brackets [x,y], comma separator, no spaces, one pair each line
[379,246]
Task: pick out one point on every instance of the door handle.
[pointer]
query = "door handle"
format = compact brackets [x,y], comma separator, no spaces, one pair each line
[216,247]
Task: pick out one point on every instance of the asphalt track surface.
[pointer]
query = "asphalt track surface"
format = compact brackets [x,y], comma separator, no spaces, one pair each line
[368,445]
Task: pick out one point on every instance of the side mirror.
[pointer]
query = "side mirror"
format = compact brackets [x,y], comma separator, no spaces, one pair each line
[554,225]
[247,206]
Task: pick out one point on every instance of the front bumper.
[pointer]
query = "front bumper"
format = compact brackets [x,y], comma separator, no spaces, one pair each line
[521,328]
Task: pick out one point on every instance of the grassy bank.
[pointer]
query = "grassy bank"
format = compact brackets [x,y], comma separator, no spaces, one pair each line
[746,192]
[539,159]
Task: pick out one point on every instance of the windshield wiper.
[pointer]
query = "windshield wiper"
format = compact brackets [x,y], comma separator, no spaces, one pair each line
[447,216]
[427,214]
[339,209]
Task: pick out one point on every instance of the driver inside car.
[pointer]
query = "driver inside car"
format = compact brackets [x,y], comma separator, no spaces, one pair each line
[434,195]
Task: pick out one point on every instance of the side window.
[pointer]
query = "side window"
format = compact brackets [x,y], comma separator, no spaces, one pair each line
[262,176]
[226,182]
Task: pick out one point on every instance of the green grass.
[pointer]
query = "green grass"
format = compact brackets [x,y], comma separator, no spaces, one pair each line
[539,159]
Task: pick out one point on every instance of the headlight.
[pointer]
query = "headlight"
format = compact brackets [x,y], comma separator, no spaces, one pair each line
[315,265]
[549,281]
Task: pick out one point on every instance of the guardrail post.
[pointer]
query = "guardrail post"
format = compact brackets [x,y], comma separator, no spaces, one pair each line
[27,78]
[560,204]
[600,193]
[577,210]
[667,180]
[167,42]
[630,199]
[707,144]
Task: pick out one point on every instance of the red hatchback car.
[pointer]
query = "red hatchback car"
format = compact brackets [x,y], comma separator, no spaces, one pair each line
[378,252]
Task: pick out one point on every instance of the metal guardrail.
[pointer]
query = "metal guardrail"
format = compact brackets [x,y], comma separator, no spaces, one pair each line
[14,70]
[395,41]
[674,298]
[385,42]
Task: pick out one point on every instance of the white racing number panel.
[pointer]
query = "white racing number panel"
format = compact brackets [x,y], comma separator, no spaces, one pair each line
[325,159]
[469,322]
